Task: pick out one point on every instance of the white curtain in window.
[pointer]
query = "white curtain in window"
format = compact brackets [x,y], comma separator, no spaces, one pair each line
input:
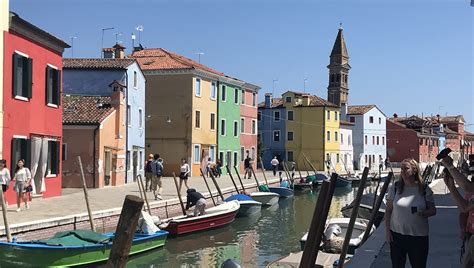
[36,144]
[44,163]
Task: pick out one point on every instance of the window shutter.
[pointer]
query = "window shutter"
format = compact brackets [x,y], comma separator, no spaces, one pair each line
[28,77]
[55,158]
[48,84]
[26,152]
[16,58]
[13,159]
[57,92]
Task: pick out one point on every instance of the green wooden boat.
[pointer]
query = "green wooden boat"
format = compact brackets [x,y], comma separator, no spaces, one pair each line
[73,248]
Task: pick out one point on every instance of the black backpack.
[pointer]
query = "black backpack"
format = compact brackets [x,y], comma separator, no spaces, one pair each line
[148,166]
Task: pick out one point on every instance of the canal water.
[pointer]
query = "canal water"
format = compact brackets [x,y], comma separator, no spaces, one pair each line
[253,242]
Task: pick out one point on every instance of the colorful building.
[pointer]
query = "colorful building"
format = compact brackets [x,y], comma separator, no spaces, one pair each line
[32,110]
[4,23]
[248,123]
[271,129]
[96,77]
[93,129]
[346,149]
[228,115]
[182,108]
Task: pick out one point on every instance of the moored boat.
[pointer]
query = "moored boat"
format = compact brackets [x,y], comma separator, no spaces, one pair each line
[282,191]
[266,198]
[65,249]
[248,206]
[365,209]
[342,182]
[214,217]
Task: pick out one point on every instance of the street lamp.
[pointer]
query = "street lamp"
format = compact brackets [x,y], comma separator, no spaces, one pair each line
[168,118]
[102,43]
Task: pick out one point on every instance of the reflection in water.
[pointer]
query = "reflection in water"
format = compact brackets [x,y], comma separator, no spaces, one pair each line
[254,241]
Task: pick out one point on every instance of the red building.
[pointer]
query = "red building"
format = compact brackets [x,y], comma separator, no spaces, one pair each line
[32,115]
[411,137]
[248,118]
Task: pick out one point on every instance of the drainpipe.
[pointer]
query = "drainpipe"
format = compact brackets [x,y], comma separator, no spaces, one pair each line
[93,155]
[126,126]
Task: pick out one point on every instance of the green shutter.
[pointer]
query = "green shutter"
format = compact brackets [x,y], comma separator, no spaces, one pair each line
[16,58]
[47,84]
[55,160]
[26,152]
[57,88]
[28,78]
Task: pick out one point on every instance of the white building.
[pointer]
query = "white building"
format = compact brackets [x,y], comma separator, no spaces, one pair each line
[346,149]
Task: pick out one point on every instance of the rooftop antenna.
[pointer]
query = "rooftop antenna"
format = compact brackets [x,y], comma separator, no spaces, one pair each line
[133,40]
[72,45]
[116,37]
[199,56]
[102,43]
[140,29]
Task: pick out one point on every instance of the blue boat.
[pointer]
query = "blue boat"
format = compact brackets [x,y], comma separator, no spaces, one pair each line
[248,206]
[341,182]
[282,191]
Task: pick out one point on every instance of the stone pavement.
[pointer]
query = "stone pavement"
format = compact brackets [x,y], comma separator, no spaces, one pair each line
[72,201]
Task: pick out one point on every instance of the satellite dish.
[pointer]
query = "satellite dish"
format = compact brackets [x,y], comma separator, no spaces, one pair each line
[140,28]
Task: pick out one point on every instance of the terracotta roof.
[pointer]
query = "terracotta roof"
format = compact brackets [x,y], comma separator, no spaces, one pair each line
[449,119]
[317,101]
[347,123]
[297,93]
[359,109]
[78,63]
[108,49]
[469,134]
[161,59]
[84,110]
[276,102]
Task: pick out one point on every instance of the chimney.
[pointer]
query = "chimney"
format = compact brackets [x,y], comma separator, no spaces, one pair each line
[139,48]
[395,115]
[268,100]
[305,100]
[438,117]
[119,51]
[108,53]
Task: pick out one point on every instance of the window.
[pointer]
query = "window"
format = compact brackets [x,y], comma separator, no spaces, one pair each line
[276,115]
[140,160]
[127,159]
[276,135]
[349,140]
[236,157]
[213,90]
[289,116]
[338,79]
[289,135]
[213,121]
[140,118]
[259,116]
[352,119]
[366,139]
[198,87]
[366,162]
[242,153]
[64,157]
[328,158]
[53,158]
[342,138]
[373,140]
[223,93]
[53,85]
[253,152]
[242,99]
[197,152]
[212,153]
[22,76]
[247,153]
[337,158]
[383,140]
[378,140]
[222,127]
[242,125]
[345,78]
[197,123]
[371,119]
[288,99]
[380,120]
[135,79]
[236,96]
[335,136]
[335,116]
[221,157]
[329,115]
[289,155]
[254,99]
[20,150]
[254,127]
[328,136]
[129,115]
[421,141]
[332,77]
[236,128]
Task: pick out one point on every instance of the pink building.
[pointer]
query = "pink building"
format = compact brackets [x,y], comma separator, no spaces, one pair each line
[248,122]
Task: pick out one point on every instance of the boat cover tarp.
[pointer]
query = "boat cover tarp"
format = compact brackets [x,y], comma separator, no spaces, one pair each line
[263,188]
[75,238]
[239,197]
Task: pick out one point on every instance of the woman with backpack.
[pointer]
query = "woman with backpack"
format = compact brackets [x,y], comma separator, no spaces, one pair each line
[409,205]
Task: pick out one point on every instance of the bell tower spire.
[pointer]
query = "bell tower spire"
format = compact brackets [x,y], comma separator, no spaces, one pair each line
[338,88]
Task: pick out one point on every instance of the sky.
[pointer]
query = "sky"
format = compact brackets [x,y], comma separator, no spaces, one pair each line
[407,57]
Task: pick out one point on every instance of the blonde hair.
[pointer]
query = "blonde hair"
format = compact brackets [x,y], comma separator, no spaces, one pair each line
[417,176]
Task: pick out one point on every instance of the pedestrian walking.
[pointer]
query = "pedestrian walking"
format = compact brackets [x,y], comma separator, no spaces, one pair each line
[274,164]
[208,167]
[184,173]
[219,168]
[409,205]
[149,173]
[22,185]
[4,177]
[248,167]
[195,198]
[157,169]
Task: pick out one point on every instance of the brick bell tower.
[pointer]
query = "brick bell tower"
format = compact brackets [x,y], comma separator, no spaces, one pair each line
[338,88]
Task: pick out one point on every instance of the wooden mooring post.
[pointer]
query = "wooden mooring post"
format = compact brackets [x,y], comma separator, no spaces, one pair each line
[179,195]
[140,182]
[86,195]
[232,179]
[207,185]
[5,218]
[125,232]
[217,186]
[240,179]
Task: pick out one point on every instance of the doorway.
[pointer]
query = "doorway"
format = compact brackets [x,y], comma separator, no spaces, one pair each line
[107,167]
[228,159]
[135,165]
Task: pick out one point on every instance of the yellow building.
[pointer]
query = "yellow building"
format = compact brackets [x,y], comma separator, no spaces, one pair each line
[4,21]
[181,108]
[312,128]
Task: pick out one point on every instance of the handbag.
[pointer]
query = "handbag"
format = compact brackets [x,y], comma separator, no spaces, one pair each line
[29,189]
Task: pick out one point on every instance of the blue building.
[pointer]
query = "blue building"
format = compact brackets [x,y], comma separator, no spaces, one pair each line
[271,129]
[99,77]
